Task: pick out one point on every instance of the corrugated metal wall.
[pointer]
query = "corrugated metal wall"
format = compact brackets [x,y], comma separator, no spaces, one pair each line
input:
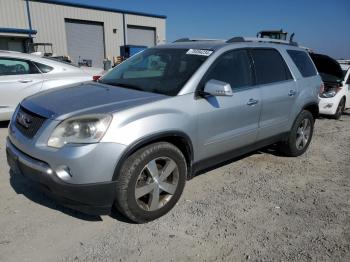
[49,21]
[13,14]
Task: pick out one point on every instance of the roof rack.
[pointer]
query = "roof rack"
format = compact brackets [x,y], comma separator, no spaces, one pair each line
[240,39]
[195,40]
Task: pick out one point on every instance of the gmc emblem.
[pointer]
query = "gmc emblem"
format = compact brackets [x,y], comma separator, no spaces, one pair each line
[23,119]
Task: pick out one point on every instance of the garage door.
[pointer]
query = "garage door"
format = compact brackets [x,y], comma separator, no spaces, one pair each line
[85,41]
[145,36]
[12,44]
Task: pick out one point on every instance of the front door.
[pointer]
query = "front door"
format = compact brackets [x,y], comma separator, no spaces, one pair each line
[226,123]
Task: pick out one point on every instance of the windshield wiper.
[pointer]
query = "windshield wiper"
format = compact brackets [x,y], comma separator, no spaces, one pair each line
[130,86]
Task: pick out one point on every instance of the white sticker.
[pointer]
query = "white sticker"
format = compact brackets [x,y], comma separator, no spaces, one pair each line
[202,52]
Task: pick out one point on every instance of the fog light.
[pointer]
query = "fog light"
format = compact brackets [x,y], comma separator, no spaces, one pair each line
[63,172]
[329,105]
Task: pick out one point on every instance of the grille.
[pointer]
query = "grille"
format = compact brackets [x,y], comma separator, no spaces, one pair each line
[28,123]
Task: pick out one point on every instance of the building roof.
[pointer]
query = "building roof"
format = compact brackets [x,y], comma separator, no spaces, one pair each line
[93,7]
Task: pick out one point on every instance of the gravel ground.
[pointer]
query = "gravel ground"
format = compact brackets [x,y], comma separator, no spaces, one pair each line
[261,207]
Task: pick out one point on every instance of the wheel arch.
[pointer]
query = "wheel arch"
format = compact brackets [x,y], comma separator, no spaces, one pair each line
[177,138]
[313,109]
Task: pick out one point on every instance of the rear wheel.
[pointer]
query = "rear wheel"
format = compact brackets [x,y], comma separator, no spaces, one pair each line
[151,182]
[300,135]
[340,109]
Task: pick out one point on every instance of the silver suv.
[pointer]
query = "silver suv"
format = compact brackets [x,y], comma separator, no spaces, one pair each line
[133,138]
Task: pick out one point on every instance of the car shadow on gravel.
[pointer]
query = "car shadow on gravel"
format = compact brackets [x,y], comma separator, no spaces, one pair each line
[25,187]
[272,150]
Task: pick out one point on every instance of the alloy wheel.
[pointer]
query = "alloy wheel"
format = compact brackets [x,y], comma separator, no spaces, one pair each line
[157,183]
[303,134]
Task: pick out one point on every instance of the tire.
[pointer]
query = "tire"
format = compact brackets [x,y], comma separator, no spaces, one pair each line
[159,169]
[340,109]
[300,136]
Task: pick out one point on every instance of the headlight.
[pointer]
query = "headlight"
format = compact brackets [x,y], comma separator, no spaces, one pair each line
[80,130]
[331,92]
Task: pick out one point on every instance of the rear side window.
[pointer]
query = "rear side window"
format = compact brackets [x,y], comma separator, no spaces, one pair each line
[270,66]
[232,67]
[303,63]
[44,68]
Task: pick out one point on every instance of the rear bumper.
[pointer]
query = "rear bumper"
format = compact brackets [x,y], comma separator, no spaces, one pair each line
[95,199]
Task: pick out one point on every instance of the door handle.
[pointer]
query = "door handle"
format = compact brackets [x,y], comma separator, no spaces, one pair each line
[25,81]
[292,93]
[252,102]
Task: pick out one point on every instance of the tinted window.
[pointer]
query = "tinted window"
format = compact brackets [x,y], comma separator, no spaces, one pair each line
[303,63]
[232,67]
[44,68]
[162,70]
[9,66]
[270,66]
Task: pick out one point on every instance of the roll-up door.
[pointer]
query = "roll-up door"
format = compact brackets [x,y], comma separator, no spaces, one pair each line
[85,42]
[141,36]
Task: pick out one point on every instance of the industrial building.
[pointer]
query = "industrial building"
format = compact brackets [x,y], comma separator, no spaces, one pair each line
[80,31]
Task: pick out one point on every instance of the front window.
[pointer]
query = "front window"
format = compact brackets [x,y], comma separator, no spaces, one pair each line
[164,71]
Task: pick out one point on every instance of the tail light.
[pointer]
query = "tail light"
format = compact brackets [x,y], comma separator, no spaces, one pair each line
[95,78]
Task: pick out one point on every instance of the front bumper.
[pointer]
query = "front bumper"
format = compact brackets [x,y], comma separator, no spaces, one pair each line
[328,106]
[95,198]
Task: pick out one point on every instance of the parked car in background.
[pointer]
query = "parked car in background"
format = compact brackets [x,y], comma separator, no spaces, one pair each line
[335,97]
[345,64]
[133,138]
[22,75]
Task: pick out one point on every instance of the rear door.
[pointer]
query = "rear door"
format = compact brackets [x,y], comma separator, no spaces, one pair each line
[18,79]
[226,123]
[278,91]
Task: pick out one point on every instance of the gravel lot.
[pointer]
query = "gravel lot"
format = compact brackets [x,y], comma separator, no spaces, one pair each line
[261,207]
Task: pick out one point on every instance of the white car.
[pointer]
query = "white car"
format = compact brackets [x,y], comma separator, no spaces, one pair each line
[335,98]
[334,101]
[22,75]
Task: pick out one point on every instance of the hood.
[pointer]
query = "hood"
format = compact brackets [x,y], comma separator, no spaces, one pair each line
[329,69]
[86,98]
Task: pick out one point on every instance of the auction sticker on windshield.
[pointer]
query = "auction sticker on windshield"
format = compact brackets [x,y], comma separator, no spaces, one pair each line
[202,52]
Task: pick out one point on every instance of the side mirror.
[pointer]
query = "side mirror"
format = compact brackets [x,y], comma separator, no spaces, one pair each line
[217,88]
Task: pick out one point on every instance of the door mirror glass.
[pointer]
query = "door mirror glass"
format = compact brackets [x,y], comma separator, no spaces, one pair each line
[217,88]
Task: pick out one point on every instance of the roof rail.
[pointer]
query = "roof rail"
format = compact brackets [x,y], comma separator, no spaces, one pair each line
[195,40]
[239,39]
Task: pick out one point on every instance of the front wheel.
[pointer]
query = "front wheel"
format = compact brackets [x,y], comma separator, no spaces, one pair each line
[300,135]
[151,182]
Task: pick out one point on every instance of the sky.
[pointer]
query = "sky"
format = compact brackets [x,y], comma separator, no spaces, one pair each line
[322,25]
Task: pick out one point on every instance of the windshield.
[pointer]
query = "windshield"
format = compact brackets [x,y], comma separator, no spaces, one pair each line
[163,71]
